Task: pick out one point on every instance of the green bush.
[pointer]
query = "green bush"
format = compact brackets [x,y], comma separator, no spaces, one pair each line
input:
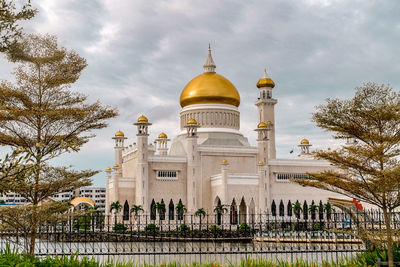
[214,228]
[317,226]
[119,227]
[183,228]
[151,228]
[244,227]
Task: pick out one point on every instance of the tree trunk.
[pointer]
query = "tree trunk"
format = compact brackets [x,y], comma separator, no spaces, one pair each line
[32,235]
[389,238]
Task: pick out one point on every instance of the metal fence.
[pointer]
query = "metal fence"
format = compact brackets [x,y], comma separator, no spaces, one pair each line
[213,237]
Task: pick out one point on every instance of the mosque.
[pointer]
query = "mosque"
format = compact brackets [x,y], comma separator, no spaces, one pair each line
[211,162]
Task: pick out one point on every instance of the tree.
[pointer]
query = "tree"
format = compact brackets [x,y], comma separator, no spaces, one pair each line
[201,213]
[160,207]
[297,209]
[219,210]
[116,207]
[367,167]
[312,209]
[328,209]
[136,209]
[40,118]
[10,15]
[180,210]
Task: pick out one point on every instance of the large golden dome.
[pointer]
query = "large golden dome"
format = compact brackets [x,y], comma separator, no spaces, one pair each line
[210,87]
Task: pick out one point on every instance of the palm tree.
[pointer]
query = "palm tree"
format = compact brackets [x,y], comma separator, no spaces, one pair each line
[116,207]
[297,209]
[313,208]
[328,209]
[201,213]
[180,210]
[136,209]
[219,210]
[160,207]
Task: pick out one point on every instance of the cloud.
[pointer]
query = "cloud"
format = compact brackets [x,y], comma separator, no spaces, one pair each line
[142,54]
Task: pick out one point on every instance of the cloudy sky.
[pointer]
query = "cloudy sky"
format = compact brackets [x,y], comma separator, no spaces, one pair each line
[141,54]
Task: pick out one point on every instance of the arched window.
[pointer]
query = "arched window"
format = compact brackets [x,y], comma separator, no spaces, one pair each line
[171,210]
[162,211]
[233,213]
[125,215]
[289,208]
[180,210]
[281,209]
[273,208]
[305,210]
[153,210]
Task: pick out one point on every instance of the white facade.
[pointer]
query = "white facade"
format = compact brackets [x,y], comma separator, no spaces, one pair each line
[210,161]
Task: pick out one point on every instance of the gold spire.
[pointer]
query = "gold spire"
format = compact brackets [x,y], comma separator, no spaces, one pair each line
[142,119]
[119,134]
[265,81]
[304,142]
[162,136]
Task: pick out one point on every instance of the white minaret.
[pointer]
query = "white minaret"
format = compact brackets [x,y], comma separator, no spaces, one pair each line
[266,109]
[224,174]
[305,147]
[142,170]
[264,193]
[119,138]
[162,144]
[193,196]
[263,129]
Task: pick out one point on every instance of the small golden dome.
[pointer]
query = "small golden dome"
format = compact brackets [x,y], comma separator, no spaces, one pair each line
[269,122]
[265,82]
[191,122]
[260,162]
[224,161]
[142,119]
[208,88]
[262,125]
[119,134]
[116,165]
[162,135]
[108,169]
[304,142]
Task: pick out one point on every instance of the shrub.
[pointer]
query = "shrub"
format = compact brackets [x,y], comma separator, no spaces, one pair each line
[119,227]
[151,228]
[183,228]
[244,227]
[214,228]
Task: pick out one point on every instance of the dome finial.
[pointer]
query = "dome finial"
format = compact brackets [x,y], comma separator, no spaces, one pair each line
[209,66]
[265,74]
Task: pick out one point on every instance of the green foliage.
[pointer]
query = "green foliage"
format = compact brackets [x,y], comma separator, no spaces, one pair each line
[116,207]
[317,226]
[214,228]
[136,209]
[183,228]
[83,223]
[151,228]
[244,227]
[201,213]
[119,227]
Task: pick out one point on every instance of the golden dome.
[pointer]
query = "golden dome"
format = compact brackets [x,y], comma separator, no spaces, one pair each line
[108,169]
[142,119]
[262,125]
[260,162]
[304,142]
[162,135]
[82,200]
[191,122]
[116,165]
[265,82]
[119,134]
[224,161]
[208,88]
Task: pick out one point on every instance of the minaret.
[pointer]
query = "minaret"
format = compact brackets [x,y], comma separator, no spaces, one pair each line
[193,196]
[117,173]
[305,147]
[264,193]
[142,170]
[264,153]
[209,66]
[119,138]
[266,107]
[162,144]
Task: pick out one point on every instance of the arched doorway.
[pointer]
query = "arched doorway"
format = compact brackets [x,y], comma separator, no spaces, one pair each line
[242,211]
[125,215]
